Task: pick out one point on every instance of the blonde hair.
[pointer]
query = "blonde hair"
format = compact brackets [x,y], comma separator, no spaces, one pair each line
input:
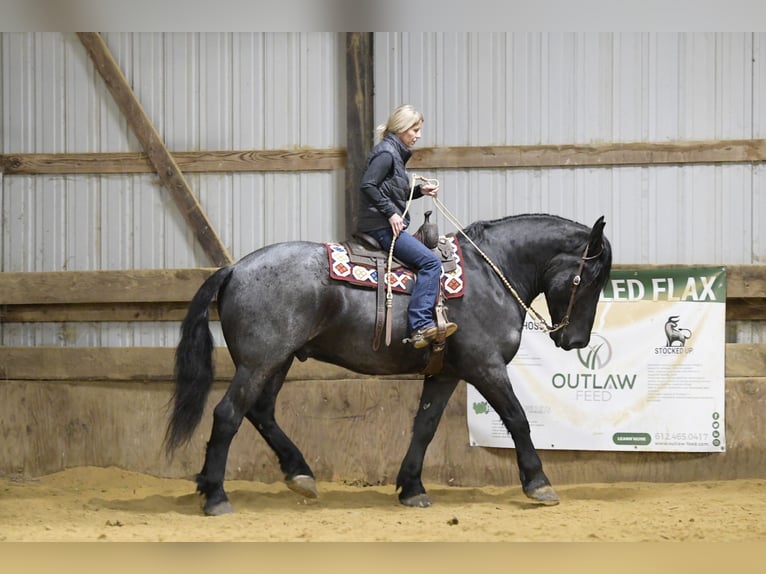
[400,120]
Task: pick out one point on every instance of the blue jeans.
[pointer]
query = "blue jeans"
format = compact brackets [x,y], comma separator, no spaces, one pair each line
[414,254]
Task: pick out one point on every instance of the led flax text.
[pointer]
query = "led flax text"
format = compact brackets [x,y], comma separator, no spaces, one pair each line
[662,288]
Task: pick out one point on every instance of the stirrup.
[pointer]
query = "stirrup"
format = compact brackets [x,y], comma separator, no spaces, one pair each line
[423,337]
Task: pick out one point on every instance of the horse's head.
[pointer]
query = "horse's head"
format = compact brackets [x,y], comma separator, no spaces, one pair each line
[573,283]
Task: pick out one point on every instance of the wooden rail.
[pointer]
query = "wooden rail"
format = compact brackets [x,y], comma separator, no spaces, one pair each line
[303,159]
[163,294]
[47,363]
[591,155]
[458,157]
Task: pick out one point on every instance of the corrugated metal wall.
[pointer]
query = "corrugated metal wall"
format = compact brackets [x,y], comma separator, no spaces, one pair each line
[558,88]
[202,92]
[271,91]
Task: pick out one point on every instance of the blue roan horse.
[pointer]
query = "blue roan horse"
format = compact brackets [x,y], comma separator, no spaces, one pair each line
[270,316]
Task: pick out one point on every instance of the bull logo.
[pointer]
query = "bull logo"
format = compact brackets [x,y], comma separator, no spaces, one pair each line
[674,334]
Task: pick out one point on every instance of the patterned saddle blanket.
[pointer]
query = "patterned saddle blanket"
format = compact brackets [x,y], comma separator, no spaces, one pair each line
[345,267]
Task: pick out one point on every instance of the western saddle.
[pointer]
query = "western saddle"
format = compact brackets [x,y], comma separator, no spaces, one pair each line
[365,250]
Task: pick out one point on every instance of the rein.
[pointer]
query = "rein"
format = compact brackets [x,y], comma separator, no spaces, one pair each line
[389,290]
[537,319]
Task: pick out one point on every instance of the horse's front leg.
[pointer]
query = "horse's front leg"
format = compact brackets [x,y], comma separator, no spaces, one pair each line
[433,400]
[495,386]
[298,475]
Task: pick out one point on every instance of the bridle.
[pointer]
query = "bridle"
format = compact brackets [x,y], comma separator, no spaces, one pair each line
[576,280]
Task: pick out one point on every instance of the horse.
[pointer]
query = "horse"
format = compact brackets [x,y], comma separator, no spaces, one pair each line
[270,316]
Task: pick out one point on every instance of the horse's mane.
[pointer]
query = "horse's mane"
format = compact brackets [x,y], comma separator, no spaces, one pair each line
[476,229]
[477,232]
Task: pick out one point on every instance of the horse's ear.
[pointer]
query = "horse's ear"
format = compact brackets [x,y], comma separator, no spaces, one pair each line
[596,236]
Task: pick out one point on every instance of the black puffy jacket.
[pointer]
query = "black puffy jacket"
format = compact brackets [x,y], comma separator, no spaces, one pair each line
[385,185]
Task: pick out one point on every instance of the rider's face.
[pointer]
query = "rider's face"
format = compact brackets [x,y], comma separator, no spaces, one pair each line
[412,135]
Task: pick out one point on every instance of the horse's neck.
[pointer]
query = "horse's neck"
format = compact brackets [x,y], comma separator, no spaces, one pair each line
[530,250]
[522,266]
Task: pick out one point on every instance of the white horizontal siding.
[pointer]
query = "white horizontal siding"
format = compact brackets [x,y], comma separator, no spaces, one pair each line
[202,92]
[560,88]
[246,91]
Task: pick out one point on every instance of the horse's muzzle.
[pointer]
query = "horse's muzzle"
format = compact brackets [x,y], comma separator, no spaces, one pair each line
[568,339]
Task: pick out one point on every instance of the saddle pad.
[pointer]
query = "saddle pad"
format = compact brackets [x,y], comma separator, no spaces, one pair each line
[402,280]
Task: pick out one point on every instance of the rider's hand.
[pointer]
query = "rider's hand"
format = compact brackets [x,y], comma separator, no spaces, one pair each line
[429,189]
[397,224]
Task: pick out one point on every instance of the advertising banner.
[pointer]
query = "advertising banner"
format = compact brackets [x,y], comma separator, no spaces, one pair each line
[651,378]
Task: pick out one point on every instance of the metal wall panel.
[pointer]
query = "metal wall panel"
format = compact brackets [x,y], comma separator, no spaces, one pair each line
[245,91]
[556,88]
[202,92]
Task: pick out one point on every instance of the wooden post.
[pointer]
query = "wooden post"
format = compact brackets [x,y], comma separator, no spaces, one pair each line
[359,120]
[163,162]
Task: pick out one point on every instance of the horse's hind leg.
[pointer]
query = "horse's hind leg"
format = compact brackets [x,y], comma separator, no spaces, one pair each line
[298,475]
[433,400]
[242,393]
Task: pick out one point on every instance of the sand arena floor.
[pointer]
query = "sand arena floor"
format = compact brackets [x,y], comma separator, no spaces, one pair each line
[110,504]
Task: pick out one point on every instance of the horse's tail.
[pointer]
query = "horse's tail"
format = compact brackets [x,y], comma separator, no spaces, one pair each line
[194,369]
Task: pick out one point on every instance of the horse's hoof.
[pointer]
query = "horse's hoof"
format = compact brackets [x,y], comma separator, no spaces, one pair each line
[417,501]
[304,485]
[545,495]
[219,509]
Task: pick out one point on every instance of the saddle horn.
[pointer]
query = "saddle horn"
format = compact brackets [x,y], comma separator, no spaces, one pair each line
[428,233]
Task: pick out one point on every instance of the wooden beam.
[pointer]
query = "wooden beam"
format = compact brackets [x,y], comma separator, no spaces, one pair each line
[359,120]
[736,310]
[163,162]
[97,363]
[360,128]
[173,285]
[140,364]
[156,364]
[745,281]
[745,359]
[98,312]
[128,286]
[190,162]
[745,309]
[590,155]
[164,294]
